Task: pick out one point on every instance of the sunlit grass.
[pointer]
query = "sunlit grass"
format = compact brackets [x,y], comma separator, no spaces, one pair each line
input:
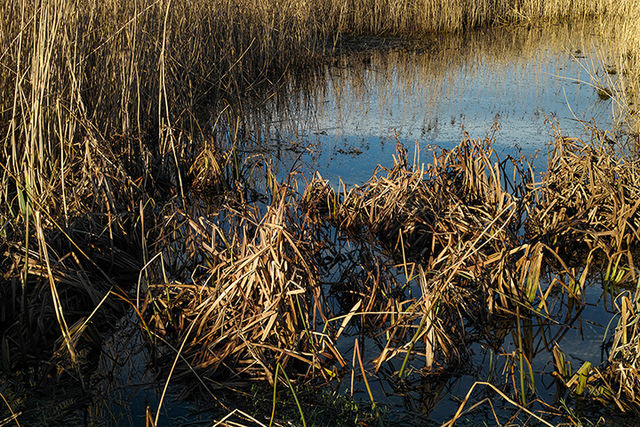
[103,110]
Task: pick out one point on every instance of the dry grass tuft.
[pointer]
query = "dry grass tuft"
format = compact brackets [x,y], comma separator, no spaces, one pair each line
[622,375]
[419,211]
[587,203]
[252,303]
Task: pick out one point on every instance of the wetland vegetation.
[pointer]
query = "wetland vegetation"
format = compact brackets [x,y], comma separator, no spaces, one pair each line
[170,254]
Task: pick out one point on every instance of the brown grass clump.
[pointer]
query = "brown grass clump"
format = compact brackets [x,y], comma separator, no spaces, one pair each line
[623,371]
[53,295]
[253,302]
[255,297]
[453,226]
[420,211]
[587,203]
[58,264]
[459,225]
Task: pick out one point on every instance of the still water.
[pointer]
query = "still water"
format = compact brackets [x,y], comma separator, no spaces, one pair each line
[519,87]
[515,85]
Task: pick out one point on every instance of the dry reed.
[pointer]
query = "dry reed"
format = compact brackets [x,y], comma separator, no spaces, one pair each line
[254,297]
[452,226]
[588,198]
[622,377]
[101,104]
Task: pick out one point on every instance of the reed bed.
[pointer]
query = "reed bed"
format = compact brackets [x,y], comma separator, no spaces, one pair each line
[436,258]
[384,16]
[102,114]
[417,210]
[454,227]
[580,218]
[624,76]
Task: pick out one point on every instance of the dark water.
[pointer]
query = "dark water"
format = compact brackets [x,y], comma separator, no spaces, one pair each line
[516,85]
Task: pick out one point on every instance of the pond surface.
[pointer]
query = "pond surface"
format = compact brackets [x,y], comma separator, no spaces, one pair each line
[515,85]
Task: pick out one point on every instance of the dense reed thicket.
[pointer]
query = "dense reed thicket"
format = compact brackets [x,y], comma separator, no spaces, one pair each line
[124,74]
[106,111]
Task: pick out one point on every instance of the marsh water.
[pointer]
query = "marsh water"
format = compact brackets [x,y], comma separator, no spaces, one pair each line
[518,86]
[513,84]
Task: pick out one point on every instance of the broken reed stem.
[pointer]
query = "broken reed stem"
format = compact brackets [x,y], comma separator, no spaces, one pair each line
[173,366]
[356,350]
[57,303]
[14,416]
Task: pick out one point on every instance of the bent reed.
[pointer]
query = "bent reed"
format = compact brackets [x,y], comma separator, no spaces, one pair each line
[106,115]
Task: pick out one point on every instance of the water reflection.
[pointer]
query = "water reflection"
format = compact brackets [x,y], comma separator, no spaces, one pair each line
[521,86]
[524,80]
